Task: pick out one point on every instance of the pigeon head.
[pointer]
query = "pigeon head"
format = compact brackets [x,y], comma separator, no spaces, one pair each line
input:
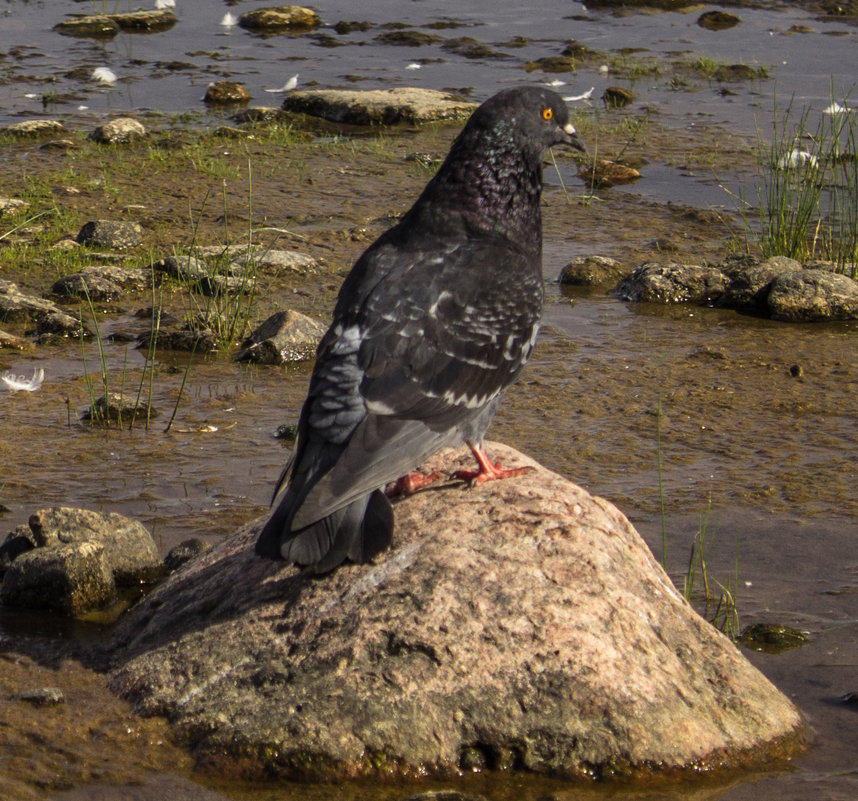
[531,118]
[491,179]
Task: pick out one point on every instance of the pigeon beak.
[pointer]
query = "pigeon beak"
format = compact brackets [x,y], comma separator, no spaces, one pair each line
[570,138]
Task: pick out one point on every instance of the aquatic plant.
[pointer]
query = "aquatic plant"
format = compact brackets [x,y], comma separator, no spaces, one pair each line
[807,186]
[718,600]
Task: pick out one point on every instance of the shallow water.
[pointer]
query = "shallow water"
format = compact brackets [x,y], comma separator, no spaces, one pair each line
[773,455]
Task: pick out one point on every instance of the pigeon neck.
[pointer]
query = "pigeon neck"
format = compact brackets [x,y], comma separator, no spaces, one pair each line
[493,186]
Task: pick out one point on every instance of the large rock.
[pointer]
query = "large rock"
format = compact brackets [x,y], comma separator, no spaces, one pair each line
[749,286]
[71,579]
[379,106]
[672,283]
[130,551]
[813,295]
[520,624]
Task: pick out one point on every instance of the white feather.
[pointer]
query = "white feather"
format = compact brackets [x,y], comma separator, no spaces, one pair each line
[17,383]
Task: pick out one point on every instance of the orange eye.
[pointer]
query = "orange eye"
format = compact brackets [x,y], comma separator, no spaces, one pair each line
[547,114]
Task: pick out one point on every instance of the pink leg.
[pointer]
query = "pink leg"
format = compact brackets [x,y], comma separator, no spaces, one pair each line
[411,482]
[488,470]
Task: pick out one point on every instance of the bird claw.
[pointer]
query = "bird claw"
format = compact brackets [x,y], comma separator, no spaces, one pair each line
[493,473]
[411,482]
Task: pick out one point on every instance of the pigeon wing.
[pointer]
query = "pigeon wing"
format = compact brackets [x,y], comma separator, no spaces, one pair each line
[412,361]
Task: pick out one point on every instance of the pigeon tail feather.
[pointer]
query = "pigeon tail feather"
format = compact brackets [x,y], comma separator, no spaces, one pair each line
[358,531]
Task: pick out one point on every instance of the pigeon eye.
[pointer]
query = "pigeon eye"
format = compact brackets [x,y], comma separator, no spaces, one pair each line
[547,114]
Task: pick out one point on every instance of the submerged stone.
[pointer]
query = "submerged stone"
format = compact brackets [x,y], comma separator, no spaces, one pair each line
[522,624]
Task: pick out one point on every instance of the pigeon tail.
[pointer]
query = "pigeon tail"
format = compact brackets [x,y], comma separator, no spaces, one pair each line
[358,531]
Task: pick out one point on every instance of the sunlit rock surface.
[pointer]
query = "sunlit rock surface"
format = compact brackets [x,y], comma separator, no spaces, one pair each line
[522,624]
[379,106]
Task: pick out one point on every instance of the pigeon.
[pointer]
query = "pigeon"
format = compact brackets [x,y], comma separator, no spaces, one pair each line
[435,320]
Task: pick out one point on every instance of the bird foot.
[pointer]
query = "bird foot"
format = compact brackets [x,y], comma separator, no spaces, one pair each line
[411,482]
[487,470]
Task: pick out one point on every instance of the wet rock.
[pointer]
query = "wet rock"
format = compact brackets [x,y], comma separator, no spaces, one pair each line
[287,336]
[119,234]
[11,342]
[226,93]
[71,579]
[552,64]
[243,260]
[664,5]
[287,431]
[735,72]
[18,307]
[160,19]
[33,128]
[117,408]
[129,549]
[121,130]
[198,340]
[185,268]
[280,18]
[830,267]
[379,106]
[593,271]
[717,20]
[94,25]
[259,114]
[41,696]
[557,644]
[344,27]
[407,38]
[185,552]
[60,325]
[813,295]
[749,286]
[672,283]
[102,283]
[617,97]
[603,173]
[16,542]
[468,47]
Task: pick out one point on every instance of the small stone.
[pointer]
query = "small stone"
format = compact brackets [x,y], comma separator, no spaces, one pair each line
[34,128]
[296,18]
[184,552]
[8,205]
[116,408]
[111,234]
[592,271]
[287,336]
[605,173]
[617,97]
[43,696]
[552,64]
[717,20]
[99,26]
[121,130]
[226,93]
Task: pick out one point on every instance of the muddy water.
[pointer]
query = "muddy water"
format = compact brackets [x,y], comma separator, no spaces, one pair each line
[752,420]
